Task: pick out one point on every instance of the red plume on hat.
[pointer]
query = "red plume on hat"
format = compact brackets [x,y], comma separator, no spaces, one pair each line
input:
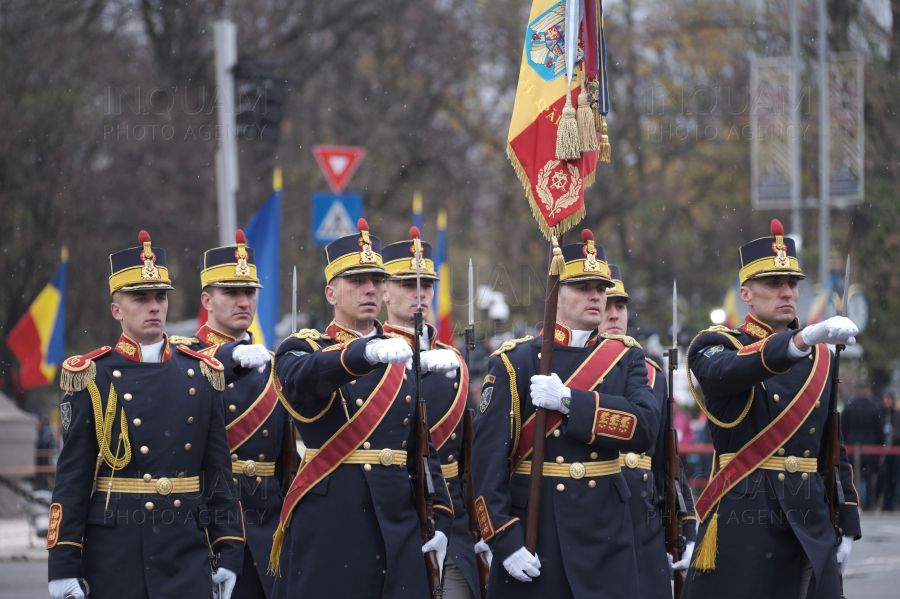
[144,240]
[363,227]
[777,228]
[414,232]
[588,238]
[239,237]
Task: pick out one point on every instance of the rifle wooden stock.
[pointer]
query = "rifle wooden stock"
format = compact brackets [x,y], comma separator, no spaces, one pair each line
[533,511]
[289,451]
[830,464]
[674,531]
[484,568]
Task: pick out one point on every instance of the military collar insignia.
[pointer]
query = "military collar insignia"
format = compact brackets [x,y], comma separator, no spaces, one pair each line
[131,349]
[563,336]
[408,335]
[756,328]
[211,336]
[342,334]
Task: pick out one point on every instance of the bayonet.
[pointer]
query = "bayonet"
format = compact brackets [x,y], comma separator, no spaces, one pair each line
[294,305]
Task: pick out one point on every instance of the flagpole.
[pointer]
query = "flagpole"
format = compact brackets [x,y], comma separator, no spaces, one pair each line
[532,514]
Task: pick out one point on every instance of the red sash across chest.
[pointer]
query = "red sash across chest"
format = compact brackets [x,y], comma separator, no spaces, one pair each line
[241,428]
[586,377]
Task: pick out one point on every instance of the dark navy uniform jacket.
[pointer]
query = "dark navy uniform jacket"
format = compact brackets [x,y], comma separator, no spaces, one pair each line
[260,495]
[770,520]
[441,395]
[647,505]
[356,533]
[146,544]
[585,536]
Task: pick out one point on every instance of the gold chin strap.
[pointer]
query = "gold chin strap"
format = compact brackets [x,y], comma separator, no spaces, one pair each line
[712,418]
[104,425]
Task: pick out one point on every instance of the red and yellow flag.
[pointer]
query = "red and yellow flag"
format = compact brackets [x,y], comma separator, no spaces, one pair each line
[554,187]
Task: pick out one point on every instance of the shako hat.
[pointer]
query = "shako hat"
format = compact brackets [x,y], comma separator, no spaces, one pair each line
[769,256]
[230,266]
[140,268]
[618,290]
[400,258]
[585,261]
[356,254]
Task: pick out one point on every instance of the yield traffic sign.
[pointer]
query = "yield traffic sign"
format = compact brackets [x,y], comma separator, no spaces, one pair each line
[338,163]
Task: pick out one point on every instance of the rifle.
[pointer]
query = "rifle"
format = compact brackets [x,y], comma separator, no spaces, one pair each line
[533,511]
[468,489]
[288,437]
[424,481]
[830,462]
[673,497]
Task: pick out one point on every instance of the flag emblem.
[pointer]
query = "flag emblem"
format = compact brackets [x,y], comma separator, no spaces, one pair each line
[710,352]
[65,411]
[546,49]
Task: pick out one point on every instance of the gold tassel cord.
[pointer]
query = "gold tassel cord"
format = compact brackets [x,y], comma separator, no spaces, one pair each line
[594,94]
[587,132]
[515,416]
[274,568]
[104,426]
[604,152]
[557,263]
[705,560]
[568,146]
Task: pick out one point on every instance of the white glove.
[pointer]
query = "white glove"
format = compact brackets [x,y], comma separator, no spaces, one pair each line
[685,561]
[523,566]
[837,329]
[440,360]
[843,553]
[251,356]
[227,579]
[61,587]
[389,351]
[438,544]
[482,547]
[549,392]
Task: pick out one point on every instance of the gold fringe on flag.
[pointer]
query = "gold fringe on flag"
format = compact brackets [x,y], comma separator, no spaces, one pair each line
[77,381]
[563,225]
[216,377]
[604,152]
[568,146]
[587,131]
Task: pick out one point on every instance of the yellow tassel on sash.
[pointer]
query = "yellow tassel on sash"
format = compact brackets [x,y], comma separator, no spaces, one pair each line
[705,560]
[275,556]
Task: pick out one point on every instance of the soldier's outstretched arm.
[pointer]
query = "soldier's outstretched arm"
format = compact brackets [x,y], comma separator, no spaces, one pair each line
[72,489]
[493,442]
[724,369]
[310,375]
[226,522]
[628,422]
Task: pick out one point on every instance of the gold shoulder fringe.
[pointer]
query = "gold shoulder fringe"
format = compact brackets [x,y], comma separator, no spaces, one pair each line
[310,334]
[185,341]
[653,364]
[216,377]
[77,381]
[628,341]
[511,344]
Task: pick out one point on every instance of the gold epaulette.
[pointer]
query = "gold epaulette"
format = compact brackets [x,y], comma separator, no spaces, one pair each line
[511,344]
[725,332]
[653,364]
[310,334]
[446,346]
[628,341]
[210,367]
[79,371]
[185,341]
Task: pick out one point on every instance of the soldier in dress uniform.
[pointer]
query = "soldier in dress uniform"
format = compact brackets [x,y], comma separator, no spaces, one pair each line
[765,528]
[445,397]
[143,498]
[600,403]
[645,472]
[349,526]
[254,418]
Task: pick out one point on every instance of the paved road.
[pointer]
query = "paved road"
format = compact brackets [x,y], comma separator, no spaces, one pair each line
[873,572]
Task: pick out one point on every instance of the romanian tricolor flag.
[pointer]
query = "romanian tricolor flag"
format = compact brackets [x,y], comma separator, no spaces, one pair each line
[817,310]
[730,307]
[444,313]
[545,100]
[38,339]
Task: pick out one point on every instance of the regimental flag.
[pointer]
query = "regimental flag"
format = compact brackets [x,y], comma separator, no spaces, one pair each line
[444,312]
[819,306]
[38,339]
[554,187]
[264,236]
[730,306]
